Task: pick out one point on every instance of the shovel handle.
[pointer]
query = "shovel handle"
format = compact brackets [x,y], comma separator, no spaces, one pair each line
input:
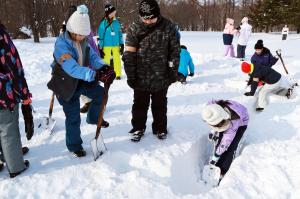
[284,67]
[51,105]
[102,109]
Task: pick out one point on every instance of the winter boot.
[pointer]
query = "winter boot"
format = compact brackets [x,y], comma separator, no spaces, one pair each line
[259,109]
[105,124]
[161,134]
[289,93]
[80,153]
[136,134]
[12,175]
[85,108]
[25,150]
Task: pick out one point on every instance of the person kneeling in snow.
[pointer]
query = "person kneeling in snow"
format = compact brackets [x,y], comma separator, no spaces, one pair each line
[274,83]
[228,120]
[71,76]
[186,65]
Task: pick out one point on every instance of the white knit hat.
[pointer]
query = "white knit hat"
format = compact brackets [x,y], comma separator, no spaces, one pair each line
[245,19]
[213,114]
[79,22]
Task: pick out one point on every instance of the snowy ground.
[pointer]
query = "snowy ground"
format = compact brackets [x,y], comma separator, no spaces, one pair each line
[267,168]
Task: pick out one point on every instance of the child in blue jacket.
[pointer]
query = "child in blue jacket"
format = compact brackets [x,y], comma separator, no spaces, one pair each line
[186,65]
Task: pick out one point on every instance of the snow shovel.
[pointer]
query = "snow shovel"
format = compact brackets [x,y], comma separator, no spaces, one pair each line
[292,80]
[97,144]
[211,173]
[46,123]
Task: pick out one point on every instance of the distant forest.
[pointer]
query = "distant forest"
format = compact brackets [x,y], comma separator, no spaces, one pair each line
[45,17]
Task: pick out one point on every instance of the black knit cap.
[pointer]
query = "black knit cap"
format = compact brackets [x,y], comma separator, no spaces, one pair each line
[149,9]
[109,9]
[259,44]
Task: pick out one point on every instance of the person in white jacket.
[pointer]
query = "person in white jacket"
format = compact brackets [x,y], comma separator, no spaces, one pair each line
[244,35]
[285,32]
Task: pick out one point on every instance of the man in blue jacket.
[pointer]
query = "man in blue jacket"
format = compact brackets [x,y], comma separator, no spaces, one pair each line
[71,77]
[186,65]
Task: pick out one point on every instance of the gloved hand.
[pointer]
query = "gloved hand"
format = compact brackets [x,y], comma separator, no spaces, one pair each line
[191,74]
[122,49]
[249,94]
[28,120]
[105,74]
[214,159]
[131,83]
[213,136]
[101,52]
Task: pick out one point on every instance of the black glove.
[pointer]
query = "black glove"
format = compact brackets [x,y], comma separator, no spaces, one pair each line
[191,74]
[28,120]
[122,49]
[131,83]
[213,137]
[105,74]
[248,94]
[101,52]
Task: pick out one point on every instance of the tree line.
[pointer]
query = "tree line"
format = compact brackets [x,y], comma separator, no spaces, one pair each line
[44,17]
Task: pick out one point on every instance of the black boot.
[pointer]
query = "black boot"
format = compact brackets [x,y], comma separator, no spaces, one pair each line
[12,175]
[85,108]
[105,124]
[25,150]
[136,134]
[259,109]
[80,153]
[161,134]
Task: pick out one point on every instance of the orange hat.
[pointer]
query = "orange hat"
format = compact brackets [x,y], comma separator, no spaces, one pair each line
[247,67]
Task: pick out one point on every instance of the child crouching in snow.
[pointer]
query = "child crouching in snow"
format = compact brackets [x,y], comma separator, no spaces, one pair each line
[228,120]
[274,83]
[186,65]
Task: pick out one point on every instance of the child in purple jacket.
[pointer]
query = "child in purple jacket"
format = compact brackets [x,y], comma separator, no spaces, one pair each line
[228,120]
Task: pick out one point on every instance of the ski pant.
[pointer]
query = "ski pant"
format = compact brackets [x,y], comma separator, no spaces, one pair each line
[279,88]
[227,157]
[72,113]
[241,51]
[229,51]
[158,106]
[284,36]
[11,140]
[115,52]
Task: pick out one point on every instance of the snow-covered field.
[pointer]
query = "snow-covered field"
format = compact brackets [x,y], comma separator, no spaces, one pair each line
[267,168]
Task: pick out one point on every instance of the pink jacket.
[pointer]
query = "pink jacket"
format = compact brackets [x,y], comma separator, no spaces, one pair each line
[229,27]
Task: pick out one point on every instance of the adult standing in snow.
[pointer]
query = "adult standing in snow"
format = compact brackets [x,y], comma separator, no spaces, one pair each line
[243,37]
[71,76]
[151,63]
[186,65]
[228,34]
[111,39]
[274,83]
[14,89]
[228,121]
[285,32]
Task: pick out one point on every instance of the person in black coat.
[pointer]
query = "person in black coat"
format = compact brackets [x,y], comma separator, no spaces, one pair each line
[151,63]
[263,56]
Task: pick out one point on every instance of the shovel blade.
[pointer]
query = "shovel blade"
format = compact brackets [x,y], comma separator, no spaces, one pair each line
[98,147]
[211,175]
[44,124]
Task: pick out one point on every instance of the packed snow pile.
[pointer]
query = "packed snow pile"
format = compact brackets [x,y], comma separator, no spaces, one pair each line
[268,166]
